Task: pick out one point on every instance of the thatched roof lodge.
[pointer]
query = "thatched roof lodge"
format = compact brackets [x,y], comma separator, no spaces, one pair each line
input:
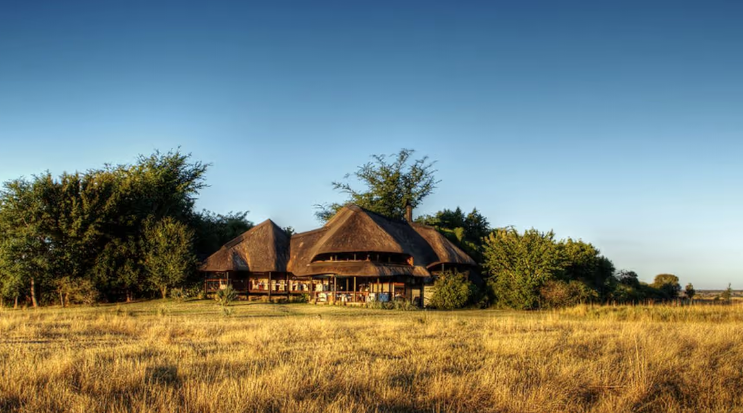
[356,256]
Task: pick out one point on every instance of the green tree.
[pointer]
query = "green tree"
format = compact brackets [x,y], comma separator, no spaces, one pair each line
[628,278]
[559,293]
[391,185]
[452,290]
[519,265]
[466,231]
[668,286]
[727,295]
[25,246]
[168,254]
[583,262]
[212,230]
[690,292]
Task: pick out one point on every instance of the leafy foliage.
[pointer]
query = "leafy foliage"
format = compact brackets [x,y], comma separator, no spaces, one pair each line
[727,295]
[226,296]
[88,227]
[213,230]
[452,290]
[559,293]
[168,255]
[533,269]
[390,185]
[668,285]
[466,231]
[690,291]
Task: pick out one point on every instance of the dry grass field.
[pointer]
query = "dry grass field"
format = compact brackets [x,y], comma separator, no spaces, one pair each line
[168,357]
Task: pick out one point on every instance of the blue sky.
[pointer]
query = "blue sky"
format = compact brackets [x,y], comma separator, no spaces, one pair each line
[620,123]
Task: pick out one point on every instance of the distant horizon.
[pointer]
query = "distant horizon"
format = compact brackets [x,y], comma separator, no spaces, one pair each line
[618,124]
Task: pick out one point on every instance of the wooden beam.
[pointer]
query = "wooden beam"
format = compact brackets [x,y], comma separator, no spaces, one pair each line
[335,287]
[269,286]
[423,284]
[354,290]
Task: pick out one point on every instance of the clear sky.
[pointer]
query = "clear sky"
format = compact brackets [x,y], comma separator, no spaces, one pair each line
[620,123]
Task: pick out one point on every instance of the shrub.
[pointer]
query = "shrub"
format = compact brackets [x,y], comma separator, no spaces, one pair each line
[557,293]
[178,294]
[226,296]
[76,290]
[404,305]
[452,290]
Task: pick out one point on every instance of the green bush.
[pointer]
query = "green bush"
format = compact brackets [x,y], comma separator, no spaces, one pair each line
[557,293]
[452,290]
[178,294]
[226,296]
[76,291]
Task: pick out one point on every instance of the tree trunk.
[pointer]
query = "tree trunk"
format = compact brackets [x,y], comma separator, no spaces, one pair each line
[61,299]
[129,297]
[33,293]
[15,305]
[164,290]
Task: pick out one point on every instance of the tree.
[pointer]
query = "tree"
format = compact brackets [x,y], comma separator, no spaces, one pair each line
[628,278]
[212,230]
[668,286]
[452,290]
[519,265]
[559,293]
[727,295]
[466,231]
[390,185]
[690,292]
[26,248]
[583,262]
[168,253]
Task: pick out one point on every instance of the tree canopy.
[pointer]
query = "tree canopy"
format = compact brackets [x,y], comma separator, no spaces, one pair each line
[88,228]
[391,183]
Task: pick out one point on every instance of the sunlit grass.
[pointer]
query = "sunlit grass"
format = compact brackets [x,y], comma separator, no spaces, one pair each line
[165,356]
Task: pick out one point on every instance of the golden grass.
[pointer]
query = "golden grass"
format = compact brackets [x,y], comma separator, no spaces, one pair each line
[170,357]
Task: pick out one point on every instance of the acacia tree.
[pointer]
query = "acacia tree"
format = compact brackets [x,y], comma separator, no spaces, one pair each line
[168,254]
[390,185]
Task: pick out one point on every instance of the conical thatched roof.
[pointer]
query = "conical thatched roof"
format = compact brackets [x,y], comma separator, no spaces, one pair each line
[263,248]
[446,251]
[354,229]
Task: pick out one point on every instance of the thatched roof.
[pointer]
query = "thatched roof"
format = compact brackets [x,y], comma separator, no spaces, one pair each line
[263,248]
[447,252]
[354,229]
[267,247]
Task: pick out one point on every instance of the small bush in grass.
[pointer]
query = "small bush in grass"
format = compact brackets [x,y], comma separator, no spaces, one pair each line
[226,296]
[303,298]
[452,290]
[196,292]
[178,294]
[405,305]
[557,293]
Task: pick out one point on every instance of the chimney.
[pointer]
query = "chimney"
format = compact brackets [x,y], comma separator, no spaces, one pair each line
[408,212]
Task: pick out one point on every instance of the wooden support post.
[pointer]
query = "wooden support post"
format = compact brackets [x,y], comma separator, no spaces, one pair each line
[247,287]
[269,286]
[355,297]
[286,284]
[335,287]
[423,285]
[392,296]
